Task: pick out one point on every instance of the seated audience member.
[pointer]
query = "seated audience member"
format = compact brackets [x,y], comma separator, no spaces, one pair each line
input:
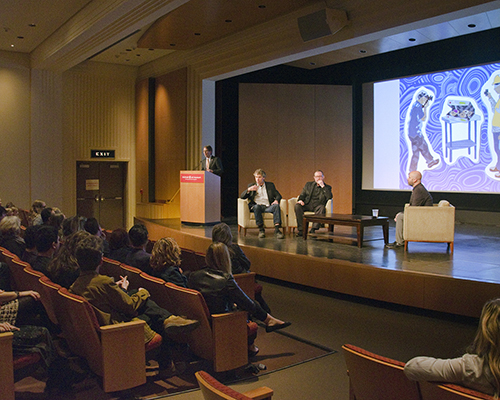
[478,369]
[29,254]
[71,225]
[240,264]
[22,308]
[47,244]
[56,219]
[114,305]
[46,214]
[36,209]
[138,257]
[166,260]
[3,213]
[119,245]
[12,211]
[221,292]
[92,226]
[63,269]
[10,229]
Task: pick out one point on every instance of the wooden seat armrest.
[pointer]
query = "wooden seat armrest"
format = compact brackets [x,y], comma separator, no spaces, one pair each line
[262,393]
[229,333]
[6,366]
[246,282]
[123,355]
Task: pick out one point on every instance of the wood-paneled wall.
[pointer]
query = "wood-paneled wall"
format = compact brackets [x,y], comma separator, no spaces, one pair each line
[292,130]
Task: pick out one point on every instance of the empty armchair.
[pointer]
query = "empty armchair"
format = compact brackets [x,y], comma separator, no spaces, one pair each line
[246,219]
[430,224]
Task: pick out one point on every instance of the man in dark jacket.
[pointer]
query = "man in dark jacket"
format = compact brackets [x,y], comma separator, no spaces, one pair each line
[419,197]
[313,198]
[264,197]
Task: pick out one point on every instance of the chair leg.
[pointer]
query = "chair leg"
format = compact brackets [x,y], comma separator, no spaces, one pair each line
[406,245]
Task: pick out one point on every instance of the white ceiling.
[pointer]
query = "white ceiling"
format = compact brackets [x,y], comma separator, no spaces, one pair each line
[25,24]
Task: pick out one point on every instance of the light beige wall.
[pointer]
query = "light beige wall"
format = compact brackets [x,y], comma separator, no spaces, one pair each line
[15,129]
[292,130]
[99,113]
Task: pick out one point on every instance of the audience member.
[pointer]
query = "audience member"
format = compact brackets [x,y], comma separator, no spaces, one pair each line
[63,269]
[71,225]
[10,229]
[36,209]
[263,197]
[478,369]
[47,244]
[30,254]
[56,220]
[166,260]
[46,214]
[240,264]
[119,245]
[221,292]
[92,226]
[114,305]
[138,257]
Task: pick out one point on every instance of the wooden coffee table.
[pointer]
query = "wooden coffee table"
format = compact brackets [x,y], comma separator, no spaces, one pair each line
[359,221]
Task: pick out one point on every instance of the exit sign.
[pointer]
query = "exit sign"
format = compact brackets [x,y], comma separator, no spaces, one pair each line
[102,154]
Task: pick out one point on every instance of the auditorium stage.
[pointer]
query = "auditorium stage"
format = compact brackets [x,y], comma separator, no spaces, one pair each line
[427,276]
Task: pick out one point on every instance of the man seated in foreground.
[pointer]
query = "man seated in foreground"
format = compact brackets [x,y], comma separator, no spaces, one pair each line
[115,305]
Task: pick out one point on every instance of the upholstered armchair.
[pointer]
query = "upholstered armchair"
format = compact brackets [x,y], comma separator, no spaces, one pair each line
[430,224]
[292,219]
[246,219]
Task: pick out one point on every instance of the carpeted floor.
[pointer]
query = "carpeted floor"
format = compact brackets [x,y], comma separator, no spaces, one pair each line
[278,351]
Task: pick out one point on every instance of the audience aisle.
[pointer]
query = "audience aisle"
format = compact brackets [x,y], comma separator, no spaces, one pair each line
[391,331]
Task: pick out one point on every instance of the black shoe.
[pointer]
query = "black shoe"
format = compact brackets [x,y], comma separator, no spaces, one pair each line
[279,234]
[278,326]
[394,245]
[262,233]
[299,234]
[312,230]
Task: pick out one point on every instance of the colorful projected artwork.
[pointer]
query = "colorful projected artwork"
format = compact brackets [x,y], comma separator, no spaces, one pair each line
[449,129]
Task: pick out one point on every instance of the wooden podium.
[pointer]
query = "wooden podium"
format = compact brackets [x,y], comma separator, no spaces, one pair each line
[200,197]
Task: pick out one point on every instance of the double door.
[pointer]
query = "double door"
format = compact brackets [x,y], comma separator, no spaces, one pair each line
[100,192]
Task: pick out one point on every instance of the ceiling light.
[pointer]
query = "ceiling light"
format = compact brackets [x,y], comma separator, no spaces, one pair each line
[412,39]
[312,63]
[362,51]
[197,34]
[229,20]
[11,45]
[262,6]
[20,37]
[151,49]
[471,25]
[32,25]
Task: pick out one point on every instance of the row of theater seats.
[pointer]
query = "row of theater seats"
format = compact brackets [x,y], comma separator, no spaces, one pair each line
[246,219]
[373,377]
[221,338]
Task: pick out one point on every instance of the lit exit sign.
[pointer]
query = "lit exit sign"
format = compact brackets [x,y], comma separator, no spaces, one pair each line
[102,154]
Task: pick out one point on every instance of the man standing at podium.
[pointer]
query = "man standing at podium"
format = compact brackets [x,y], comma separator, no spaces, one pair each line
[264,197]
[211,163]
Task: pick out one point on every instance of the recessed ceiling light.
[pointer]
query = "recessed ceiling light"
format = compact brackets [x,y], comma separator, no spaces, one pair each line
[229,20]
[362,51]
[20,37]
[471,25]
[11,45]
[312,63]
[172,44]
[138,55]
[262,6]
[197,34]
[32,25]
[128,49]
[151,49]
[412,39]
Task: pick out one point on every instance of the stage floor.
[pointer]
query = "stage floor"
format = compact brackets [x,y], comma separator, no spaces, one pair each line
[475,257]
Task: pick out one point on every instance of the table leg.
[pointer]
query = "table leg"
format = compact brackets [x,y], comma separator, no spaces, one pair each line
[385,229]
[360,235]
[306,228]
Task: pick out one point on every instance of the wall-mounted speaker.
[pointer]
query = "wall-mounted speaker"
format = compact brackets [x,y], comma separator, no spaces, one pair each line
[321,23]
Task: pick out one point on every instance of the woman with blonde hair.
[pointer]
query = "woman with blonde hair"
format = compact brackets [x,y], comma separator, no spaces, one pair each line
[221,292]
[479,369]
[166,261]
